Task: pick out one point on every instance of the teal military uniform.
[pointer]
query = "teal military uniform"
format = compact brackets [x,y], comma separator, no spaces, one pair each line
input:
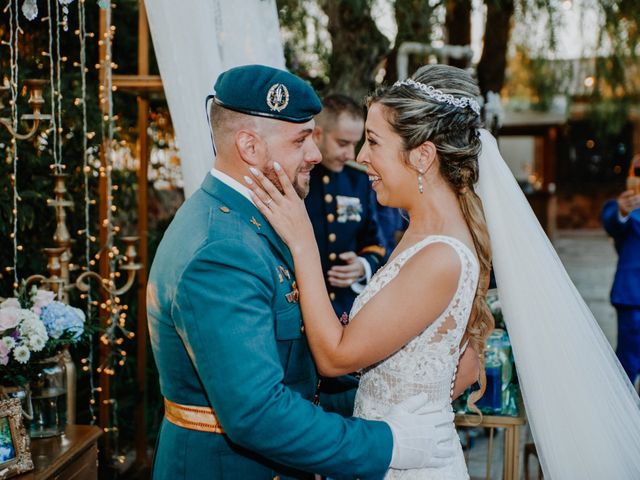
[227,333]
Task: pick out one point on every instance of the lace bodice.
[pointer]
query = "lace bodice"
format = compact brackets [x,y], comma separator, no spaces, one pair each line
[428,362]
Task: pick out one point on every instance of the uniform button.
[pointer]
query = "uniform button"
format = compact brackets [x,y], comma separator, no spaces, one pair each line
[328,198]
[332,296]
[331,217]
[333,256]
[326,180]
[332,237]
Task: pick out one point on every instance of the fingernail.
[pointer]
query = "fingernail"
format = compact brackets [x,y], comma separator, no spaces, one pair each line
[277,166]
[253,170]
[248,180]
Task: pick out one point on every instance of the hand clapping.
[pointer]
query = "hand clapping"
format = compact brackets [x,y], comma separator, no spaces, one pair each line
[628,201]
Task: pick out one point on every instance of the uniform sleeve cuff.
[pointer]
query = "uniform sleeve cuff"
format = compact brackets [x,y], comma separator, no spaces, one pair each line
[358,285]
[621,218]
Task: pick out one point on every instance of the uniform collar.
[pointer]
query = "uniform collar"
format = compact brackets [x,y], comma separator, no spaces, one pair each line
[234,200]
[232,183]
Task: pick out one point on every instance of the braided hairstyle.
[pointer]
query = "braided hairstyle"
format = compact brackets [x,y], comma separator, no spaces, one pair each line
[417,117]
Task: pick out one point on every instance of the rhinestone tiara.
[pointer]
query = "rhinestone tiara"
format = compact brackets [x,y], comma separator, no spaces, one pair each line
[440,96]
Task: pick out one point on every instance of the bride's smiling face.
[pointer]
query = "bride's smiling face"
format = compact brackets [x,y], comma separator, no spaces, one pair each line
[384,156]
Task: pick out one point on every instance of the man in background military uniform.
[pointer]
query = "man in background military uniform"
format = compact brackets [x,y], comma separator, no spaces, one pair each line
[225,323]
[342,205]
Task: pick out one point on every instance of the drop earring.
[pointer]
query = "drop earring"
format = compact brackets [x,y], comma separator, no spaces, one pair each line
[420,184]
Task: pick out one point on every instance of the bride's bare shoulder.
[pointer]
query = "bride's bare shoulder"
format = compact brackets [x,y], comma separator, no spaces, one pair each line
[435,264]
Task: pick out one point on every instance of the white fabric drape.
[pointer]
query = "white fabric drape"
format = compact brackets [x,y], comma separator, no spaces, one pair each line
[196,40]
[583,411]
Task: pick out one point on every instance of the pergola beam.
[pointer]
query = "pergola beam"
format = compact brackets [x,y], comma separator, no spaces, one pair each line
[138,83]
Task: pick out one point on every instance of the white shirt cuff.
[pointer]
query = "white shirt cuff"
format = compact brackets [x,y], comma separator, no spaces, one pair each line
[358,285]
[621,218]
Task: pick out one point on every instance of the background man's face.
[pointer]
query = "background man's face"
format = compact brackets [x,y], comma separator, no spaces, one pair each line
[292,146]
[338,142]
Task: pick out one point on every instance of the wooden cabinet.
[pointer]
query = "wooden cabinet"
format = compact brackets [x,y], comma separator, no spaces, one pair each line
[72,456]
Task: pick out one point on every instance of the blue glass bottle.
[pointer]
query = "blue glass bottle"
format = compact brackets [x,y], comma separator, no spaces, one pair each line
[491,401]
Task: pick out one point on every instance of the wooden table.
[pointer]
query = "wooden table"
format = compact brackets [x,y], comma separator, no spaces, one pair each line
[72,456]
[511,427]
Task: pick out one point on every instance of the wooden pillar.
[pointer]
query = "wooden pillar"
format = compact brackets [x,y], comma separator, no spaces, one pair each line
[104,407]
[142,458]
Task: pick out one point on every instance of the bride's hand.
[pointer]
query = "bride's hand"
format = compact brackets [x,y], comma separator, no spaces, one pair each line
[286,212]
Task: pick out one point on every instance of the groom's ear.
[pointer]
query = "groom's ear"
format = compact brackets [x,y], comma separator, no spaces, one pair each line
[423,156]
[250,147]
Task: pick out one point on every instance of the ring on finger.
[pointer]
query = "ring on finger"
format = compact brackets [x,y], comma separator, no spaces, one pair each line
[268,202]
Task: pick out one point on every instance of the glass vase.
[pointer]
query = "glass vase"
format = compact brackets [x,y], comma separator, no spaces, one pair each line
[49,398]
[22,393]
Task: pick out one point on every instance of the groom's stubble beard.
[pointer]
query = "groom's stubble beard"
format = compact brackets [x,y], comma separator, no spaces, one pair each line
[270,173]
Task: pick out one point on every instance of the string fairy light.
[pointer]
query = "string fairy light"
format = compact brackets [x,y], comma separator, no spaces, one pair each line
[54,118]
[112,305]
[60,166]
[14,30]
[86,169]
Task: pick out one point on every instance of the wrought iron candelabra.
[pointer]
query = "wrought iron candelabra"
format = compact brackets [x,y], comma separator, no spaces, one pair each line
[59,264]
[36,101]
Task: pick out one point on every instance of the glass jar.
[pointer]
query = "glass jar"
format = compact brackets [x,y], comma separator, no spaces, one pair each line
[49,398]
[498,342]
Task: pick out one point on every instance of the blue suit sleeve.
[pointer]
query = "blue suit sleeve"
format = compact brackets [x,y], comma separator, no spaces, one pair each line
[611,221]
[224,312]
[370,241]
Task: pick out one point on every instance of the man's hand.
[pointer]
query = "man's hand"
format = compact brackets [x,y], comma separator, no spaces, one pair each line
[422,437]
[627,202]
[345,275]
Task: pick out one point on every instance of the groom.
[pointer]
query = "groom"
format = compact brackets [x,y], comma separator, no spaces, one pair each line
[225,325]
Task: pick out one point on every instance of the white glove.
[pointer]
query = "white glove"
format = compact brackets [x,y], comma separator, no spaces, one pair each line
[422,437]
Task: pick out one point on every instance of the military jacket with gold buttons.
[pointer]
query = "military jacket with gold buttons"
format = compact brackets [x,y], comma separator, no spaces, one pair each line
[226,333]
[342,208]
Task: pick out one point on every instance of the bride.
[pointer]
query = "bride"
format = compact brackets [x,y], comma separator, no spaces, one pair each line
[424,152]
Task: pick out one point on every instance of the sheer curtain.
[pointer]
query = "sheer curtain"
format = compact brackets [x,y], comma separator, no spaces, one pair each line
[195,40]
[583,411]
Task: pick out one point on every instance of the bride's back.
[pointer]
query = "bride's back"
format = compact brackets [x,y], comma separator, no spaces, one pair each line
[427,363]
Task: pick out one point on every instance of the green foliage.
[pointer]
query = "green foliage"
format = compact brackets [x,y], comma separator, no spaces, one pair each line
[306,41]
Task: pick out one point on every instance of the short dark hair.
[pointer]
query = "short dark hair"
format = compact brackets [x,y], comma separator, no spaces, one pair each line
[335,104]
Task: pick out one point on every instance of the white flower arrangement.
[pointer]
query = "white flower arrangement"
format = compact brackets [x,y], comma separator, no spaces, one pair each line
[34,326]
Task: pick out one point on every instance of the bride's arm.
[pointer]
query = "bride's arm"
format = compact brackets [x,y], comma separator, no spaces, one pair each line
[395,315]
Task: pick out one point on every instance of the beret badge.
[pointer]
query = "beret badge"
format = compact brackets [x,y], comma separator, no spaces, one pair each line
[277,97]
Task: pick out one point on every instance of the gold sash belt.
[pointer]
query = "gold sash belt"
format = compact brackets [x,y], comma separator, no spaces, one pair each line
[202,419]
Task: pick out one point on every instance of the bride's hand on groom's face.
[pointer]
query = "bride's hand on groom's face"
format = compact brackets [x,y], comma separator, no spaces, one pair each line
[286,211]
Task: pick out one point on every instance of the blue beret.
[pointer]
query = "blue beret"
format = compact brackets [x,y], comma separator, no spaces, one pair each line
[267,92]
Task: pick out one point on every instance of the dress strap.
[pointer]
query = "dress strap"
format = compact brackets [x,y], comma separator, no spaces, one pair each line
[456,244]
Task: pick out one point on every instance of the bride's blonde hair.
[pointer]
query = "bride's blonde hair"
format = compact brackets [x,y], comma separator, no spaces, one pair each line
[419,116]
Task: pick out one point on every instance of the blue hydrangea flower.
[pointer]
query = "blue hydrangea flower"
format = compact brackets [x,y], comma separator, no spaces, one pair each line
[60,318]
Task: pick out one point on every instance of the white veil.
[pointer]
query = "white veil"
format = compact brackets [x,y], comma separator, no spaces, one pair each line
[583,411]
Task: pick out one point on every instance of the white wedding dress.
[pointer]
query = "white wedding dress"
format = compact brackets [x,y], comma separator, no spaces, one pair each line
[427,364]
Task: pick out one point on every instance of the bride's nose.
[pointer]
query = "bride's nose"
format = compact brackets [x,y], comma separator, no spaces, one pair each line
[363,156]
